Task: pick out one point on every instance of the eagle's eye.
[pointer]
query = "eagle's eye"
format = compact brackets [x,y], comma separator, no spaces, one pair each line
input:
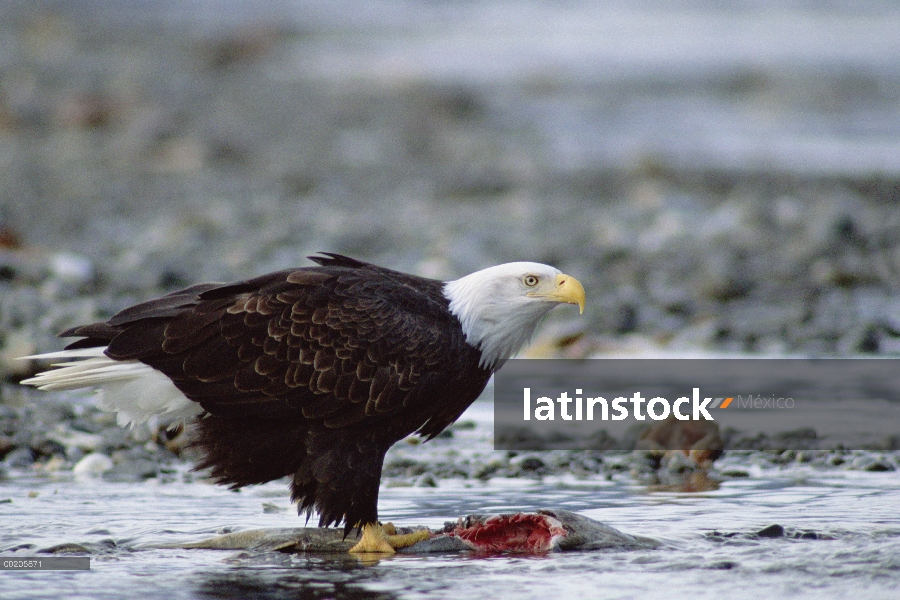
[530,280]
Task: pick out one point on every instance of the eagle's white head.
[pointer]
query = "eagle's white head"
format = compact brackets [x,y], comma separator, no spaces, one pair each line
[500,307]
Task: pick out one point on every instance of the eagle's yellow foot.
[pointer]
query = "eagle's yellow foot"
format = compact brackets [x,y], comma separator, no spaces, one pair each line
[382,538]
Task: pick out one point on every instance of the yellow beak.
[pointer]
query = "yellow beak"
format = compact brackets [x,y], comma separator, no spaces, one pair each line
[568,290]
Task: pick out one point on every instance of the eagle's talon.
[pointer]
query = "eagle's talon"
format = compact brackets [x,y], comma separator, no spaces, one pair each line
[383,539]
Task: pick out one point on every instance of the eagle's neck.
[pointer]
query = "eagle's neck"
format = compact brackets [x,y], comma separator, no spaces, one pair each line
[493,320]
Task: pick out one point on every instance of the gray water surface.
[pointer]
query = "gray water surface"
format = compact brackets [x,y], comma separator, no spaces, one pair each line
[852,513]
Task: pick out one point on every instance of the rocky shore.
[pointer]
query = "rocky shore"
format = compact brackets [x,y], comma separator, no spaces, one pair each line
[55,436]
[140,153]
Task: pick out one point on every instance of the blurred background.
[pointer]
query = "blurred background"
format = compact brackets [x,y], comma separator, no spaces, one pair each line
[719,177]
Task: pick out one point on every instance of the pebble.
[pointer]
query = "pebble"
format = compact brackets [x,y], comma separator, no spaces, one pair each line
[869,462]
[93,465]
[677,462]
[527,463]
[71,268]
[426,480]
[772,531]
[70,439]
[132,470]
[879,466]
[20,458]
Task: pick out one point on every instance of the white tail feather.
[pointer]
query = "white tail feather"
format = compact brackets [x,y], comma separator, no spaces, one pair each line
[134,391]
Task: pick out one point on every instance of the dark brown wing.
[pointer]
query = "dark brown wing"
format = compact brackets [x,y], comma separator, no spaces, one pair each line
[340,342]
[304,369]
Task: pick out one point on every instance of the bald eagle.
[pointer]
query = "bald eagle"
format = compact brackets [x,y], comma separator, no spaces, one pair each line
[312,373]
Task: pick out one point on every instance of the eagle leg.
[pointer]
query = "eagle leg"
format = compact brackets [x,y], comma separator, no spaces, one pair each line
[383,539]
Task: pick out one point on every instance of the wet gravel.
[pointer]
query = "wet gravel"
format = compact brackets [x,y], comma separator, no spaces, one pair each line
[53,436]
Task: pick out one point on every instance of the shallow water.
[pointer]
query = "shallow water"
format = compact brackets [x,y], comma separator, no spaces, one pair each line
[853,513]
